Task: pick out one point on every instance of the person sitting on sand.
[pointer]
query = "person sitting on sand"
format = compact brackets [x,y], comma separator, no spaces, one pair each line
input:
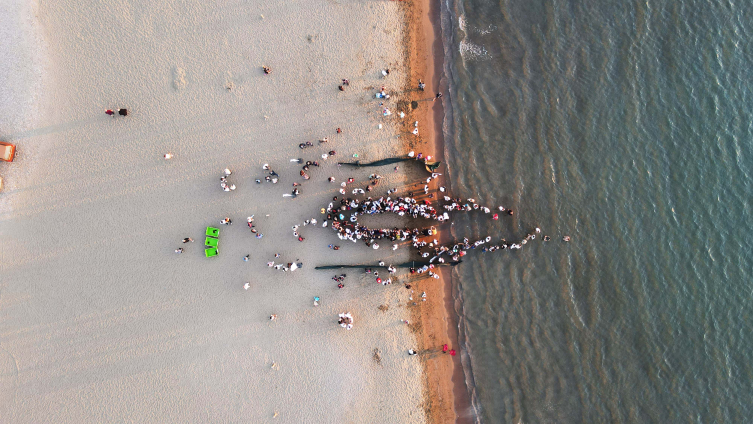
[267,70]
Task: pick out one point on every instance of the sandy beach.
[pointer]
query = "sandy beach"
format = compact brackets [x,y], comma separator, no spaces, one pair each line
[101,320]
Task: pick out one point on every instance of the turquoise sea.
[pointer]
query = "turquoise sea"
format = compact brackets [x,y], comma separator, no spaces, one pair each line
[627,126]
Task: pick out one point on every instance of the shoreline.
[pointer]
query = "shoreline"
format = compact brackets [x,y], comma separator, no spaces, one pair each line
[446,399]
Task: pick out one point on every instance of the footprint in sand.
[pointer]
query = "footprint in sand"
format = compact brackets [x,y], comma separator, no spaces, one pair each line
[229,84]
[179,78]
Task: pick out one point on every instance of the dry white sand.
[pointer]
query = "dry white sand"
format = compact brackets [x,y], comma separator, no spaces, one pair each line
[99,320]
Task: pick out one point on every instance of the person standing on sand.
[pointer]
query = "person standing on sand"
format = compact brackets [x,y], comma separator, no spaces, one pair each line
[438,96]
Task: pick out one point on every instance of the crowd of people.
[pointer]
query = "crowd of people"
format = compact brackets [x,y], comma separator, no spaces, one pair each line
[224,184]
[431,207]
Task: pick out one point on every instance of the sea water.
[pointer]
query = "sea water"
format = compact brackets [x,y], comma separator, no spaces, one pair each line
[626,126]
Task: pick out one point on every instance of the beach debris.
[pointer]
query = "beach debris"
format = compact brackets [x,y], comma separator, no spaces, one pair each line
[121,112]
[377,356]
[7,151]
[383,308]
[179,78]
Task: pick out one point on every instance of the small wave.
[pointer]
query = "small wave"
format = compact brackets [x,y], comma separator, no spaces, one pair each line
[487,30]
[469,50]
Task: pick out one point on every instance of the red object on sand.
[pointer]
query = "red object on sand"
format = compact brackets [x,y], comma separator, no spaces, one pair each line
[452,352]
[379,280]
[109,112]
[444,348]
[495,217]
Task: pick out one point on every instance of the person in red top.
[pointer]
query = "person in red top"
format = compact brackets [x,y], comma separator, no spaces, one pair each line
[110,112]
[444,348]
[452,352]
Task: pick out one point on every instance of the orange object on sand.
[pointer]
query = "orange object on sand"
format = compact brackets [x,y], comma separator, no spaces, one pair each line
[7,151]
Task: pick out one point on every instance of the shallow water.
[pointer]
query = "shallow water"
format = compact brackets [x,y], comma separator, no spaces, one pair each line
[627,127]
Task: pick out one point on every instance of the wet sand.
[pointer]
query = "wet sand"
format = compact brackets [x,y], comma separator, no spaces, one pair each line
[447,398]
